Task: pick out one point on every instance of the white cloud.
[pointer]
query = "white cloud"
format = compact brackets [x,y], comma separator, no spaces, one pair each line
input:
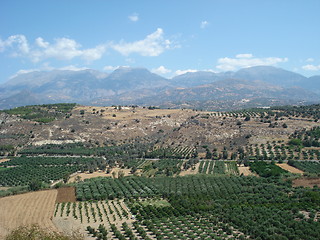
[247,60]
[41,43]
[310,60]
[93,54]
[204,24]
[161,70]
[61,49]
[311,67]
[180,72]
[244,55]
[46,67]
[19,40]
[73,68]
[153,45]
[134,17]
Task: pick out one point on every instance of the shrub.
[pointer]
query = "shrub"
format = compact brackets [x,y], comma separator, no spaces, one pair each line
[34,232]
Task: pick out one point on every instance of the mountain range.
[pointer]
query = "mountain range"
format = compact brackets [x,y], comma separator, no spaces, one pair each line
[259,86]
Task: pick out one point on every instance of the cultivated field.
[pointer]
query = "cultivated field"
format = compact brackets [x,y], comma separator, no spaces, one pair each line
[186,183]
[245,171]
[27,209]
[289,168]
[4,160]
[306,182]
[66,194]
[77,216]
[190,171]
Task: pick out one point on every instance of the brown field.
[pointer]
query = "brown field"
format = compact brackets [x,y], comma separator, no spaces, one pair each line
[27,209]
[67,194]
[245,171]
[128,113]
[102,174]
[306,182]
[4,160]
[289,168]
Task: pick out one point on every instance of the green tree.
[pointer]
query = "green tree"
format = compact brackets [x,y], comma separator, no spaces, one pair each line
[35,185]
[66,178]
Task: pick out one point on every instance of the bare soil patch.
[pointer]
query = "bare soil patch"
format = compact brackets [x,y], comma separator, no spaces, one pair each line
[67,194]
[4,160]
[115,172]
[306,182]
[127,113]
[289,168]
[27,209]
[245,171]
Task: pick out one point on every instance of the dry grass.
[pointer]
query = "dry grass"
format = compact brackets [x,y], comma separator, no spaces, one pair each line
[115,171]
[4,160]
[245,171]
[289,168]
[128,113]
[306,182]
[27,209]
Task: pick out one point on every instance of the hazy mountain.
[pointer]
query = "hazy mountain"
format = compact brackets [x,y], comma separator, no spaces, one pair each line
[221,95]
[76,86]
[140,86]
[22,98]
[312,83]
[191,79]
[128,79]
[272,75]
[236,89]
[268,74]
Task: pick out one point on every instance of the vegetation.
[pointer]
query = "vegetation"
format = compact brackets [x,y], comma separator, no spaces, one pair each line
[265,169]
[24,170]
[156,201]
[310,167]
[42,113]
[211,206]
[34,232]
[14,190]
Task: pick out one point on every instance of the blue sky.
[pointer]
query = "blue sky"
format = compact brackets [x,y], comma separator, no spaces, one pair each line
[168,37]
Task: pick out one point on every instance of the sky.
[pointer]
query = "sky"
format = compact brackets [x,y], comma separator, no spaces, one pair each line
[168,37]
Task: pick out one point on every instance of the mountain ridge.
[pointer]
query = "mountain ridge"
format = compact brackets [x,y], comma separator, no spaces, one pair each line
[127,85]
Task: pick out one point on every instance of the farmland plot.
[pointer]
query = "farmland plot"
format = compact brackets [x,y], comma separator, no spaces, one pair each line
[245,171]
[231,168]
[26,209]
[289,168]
[77,216]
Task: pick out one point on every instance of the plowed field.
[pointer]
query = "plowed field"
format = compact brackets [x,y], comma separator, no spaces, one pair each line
[67,194]
[289,168]
[27,209]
